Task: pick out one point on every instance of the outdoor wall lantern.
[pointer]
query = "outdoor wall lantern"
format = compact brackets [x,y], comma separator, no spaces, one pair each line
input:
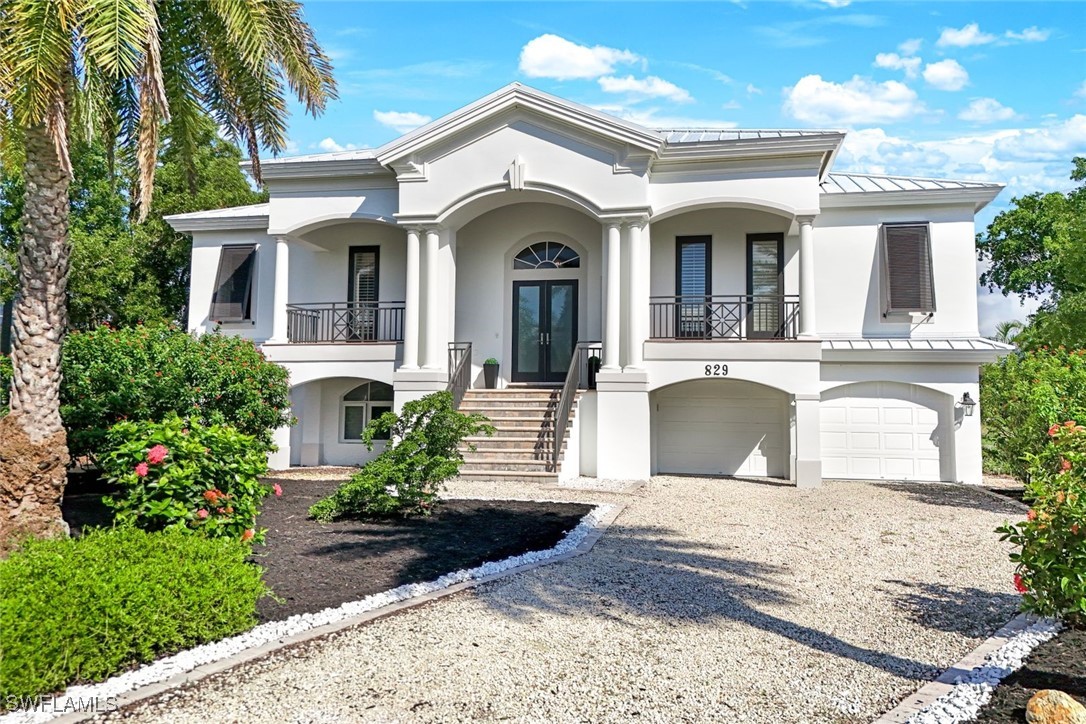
[967,403]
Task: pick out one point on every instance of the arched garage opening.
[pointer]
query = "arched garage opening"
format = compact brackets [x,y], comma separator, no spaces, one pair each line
[887,431]
[721,427]
[331,414]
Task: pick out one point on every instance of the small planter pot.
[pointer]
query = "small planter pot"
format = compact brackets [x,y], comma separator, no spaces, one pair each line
[490,376]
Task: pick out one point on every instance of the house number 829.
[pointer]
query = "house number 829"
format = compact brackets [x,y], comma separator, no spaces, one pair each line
[716,370]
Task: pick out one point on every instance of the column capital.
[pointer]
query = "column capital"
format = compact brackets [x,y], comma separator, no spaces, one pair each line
[418,223]
[806,219]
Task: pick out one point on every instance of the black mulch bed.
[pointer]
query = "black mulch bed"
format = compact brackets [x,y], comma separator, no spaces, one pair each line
[1018,494]
[312,566]
[1056,664]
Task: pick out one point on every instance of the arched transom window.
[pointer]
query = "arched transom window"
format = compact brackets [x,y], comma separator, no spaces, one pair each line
[364,403]
[547,255]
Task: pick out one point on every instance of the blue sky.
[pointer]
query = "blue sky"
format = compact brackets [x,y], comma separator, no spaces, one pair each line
[987,91]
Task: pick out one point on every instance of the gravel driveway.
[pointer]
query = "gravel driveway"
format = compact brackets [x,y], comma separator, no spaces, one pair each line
[707,600]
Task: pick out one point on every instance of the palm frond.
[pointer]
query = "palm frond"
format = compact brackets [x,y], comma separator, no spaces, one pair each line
[114,34]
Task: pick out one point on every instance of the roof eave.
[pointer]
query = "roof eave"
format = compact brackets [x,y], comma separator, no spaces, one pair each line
[181,224]
[979,197]
[331,168]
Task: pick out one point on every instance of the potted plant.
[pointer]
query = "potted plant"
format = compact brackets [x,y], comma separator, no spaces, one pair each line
[490,373]
[593,368]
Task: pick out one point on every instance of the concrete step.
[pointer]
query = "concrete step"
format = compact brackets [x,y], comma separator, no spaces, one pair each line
[510,446]
[538,413]
[522,422]
[517,404]
[482,455]
[491,466]
[510,477]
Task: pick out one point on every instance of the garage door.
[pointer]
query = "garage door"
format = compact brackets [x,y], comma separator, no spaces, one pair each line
[718,427]
[883,431]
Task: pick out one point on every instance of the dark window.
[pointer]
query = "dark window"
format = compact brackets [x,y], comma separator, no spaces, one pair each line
[363,404]
[232,300]
[547,255]
[693,284]
[765,284]
[906,268]
[363,274]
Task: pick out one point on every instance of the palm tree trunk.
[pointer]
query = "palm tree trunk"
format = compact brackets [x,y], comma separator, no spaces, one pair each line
[33,445]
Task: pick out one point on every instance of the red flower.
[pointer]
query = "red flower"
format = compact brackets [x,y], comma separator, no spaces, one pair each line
[1053,430]
[278,490]
[202,513]
[1019,584]
[247,535]
[211,496]
[1074,529]
[142,470]
[1031,515]
[157,454]
[1065,465]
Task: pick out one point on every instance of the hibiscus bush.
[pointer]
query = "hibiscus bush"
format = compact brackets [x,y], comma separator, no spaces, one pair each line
[151,371]
[1021,396]
[406,478]
[184,474]
[76,610]
[1051,572]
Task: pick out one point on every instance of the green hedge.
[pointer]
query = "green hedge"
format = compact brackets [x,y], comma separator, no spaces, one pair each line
[150,371]
[81,609]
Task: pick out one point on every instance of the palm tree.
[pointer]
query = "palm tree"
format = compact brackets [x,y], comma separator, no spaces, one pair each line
[1005,332]
[119,69]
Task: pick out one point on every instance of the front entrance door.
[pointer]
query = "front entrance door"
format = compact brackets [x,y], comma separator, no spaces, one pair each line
[544,329]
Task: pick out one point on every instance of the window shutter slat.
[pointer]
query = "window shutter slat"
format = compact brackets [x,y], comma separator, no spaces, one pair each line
[365,276]
[232,300]
[907,253]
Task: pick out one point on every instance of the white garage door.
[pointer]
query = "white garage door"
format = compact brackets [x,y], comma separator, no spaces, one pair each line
[721,427]
[883,431]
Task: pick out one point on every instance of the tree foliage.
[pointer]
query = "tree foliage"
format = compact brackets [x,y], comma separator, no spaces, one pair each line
[1037,250]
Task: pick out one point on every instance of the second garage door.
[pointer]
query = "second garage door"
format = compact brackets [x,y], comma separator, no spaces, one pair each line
[721,427]
[884,431]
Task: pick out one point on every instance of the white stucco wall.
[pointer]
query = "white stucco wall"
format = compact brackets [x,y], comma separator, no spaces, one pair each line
[849,299]
[206,251]
[319,272]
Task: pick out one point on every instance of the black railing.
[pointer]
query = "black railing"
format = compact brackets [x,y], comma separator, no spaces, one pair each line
[345,322]
[724,317]
[581,374]
[459,371]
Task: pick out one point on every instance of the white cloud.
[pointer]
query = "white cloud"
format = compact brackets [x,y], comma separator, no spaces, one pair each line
[653,117]
[964,37]
[753,90]
[893,61]
[837,3]
[1030,35]
[551,56]
[1081,92]
[986,110]
[401,121]
[911,46]
[648,87]
[329,144]
[947,75]
[857,101]
[1058,142]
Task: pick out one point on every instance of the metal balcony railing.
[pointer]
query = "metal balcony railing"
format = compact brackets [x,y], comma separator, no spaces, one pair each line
[724,317]
[345,322]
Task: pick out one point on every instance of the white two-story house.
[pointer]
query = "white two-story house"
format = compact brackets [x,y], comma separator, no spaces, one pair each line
[703,302]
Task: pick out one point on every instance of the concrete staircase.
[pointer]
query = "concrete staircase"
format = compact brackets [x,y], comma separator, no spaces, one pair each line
[523,441]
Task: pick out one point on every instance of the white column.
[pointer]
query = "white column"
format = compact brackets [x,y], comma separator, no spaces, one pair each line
[432,355]
[638,307]
[806,277]
[614,289]
[279,291]
[808,452]
[411,304]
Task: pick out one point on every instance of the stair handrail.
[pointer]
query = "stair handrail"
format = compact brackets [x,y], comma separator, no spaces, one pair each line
[581,355]
[459,371]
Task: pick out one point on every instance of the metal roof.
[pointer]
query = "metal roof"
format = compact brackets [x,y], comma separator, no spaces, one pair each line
[919,344]
[857,183]
[714,135]
[230,212]
[358,154]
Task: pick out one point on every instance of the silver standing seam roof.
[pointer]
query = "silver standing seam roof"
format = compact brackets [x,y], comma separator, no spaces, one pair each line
[919,344]
[714,135]
[859,183]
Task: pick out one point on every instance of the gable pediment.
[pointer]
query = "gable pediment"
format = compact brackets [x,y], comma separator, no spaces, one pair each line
[529,111]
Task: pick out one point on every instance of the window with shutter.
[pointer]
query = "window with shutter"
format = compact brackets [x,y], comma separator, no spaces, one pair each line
[765,284]
[907,272]
[363,274]
[232,299]
[693,283]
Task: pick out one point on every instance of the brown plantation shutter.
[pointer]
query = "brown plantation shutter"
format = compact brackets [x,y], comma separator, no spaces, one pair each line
[364,274]
[906,251]
[232,299]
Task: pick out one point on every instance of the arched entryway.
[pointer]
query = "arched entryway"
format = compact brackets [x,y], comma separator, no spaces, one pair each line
[887,431]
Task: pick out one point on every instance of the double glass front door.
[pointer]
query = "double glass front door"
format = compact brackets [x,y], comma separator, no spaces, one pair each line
[544,329]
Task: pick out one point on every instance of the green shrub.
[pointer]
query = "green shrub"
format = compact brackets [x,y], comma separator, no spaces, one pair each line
[150,371]
[181,473]
[81,609]
[5,383]
[1051,573]
[1021,396]
[406,478]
